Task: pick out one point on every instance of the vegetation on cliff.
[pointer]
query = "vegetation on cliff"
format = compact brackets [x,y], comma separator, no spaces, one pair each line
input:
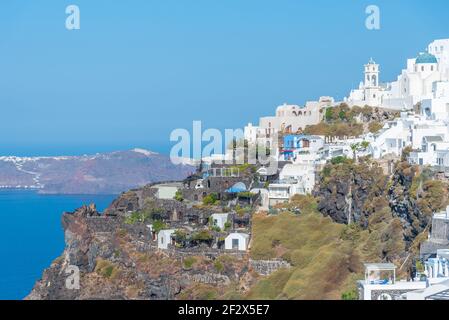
[342,121]
[326,257]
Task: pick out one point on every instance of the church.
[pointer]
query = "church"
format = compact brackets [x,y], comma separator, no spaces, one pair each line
[425,83]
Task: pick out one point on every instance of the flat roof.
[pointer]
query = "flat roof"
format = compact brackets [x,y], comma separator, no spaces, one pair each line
[380,266]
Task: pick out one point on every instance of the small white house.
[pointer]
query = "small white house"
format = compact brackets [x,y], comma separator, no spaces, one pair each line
[164,238]
[219,220]
[167,190]
[237,241]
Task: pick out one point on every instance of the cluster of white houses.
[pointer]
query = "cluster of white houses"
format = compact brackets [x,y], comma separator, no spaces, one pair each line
[421,93]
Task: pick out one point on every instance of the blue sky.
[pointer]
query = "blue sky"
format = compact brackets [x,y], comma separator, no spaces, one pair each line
[138,69]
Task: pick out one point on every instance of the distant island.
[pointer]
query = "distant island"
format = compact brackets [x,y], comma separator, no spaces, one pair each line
[102,173]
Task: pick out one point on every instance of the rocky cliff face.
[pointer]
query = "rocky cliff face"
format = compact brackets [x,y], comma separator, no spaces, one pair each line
[359,193]
[346,190]
[117,260]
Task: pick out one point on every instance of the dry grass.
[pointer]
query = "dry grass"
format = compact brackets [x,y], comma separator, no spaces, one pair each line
[321,260]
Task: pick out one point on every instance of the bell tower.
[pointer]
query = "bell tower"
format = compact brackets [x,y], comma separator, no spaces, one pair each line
[371,74]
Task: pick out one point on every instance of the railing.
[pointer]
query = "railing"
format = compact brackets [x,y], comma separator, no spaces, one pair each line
[278,195]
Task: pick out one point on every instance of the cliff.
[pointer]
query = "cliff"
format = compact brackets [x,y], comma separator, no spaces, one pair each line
[119,260]
[313,249]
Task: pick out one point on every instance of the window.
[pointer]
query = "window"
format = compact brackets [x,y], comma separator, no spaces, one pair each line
[422,68]
[431,68]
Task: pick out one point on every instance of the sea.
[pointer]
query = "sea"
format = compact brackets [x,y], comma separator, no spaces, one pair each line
[31,235]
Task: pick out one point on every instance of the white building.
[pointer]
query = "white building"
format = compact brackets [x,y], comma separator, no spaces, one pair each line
[410,130]
[293,179]
[434,151]
[237,241]
[288,119]
[415,83]
[219,220]
[438,291]
[437,274]
[380,283]
[164,238]
[167,190]
[250,133]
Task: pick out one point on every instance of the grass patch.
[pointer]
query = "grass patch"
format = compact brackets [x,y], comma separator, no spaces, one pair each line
[188,262]
[106,269]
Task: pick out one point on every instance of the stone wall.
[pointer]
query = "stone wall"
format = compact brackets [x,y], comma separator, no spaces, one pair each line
[202,251]
[440,230]
[267,267]
[102,224]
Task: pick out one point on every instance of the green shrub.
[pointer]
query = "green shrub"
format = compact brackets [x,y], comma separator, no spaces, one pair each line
[188,262]
[138,217]
[339,160]
[106,269]
[245,194]
[178,196]
[349,295]
[218,266]
[203,235]
[210,199]
[158,225]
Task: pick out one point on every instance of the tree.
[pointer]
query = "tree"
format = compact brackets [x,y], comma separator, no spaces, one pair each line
[329,115]
[365,145]
[355,147]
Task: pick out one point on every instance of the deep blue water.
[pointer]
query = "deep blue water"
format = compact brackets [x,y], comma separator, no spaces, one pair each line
[31,235]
